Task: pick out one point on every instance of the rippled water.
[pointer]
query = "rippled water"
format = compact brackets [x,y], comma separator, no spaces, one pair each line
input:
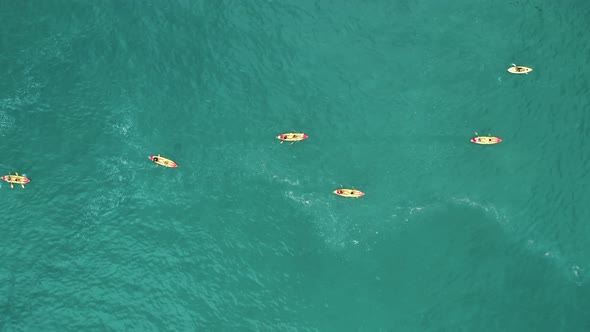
[245,235]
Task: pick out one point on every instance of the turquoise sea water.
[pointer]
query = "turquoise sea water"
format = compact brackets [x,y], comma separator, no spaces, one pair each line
[246,235]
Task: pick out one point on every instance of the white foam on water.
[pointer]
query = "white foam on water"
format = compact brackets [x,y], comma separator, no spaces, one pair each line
[538,248]
[25,94]
[578,274]
[124,128]
[333,230]
[54,48]
[404,213]
[123,123]
[340,231]
[124,169]
[286,180]
[29,92]
[488,209]
[6,122]
[117,168]
[270,172]
[118,171]
[95,212]
[301,199]
[572,271]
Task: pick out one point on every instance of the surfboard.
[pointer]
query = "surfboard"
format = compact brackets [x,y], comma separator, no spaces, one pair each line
[519,70]
[163,161]
[349,193]
[292,137]
[486,140]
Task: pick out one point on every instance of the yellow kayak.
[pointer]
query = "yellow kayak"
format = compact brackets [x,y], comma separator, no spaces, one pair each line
[519,69]
[163,161]
[292,137]
[349,193]
[16,179]
[486,139]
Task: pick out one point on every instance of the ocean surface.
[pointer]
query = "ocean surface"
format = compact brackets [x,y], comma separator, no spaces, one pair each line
[246,235]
